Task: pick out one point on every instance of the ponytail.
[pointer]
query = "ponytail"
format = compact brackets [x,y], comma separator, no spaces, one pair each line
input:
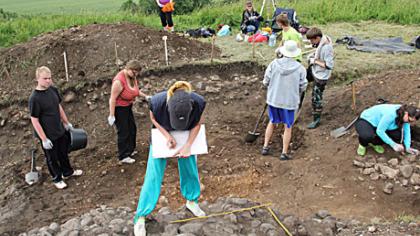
[411,110]
[179,85]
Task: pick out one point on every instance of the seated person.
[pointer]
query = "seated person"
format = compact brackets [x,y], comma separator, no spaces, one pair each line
[250,19]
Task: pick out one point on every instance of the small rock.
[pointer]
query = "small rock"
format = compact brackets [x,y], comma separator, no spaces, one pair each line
[163,201]
[69,97]
[72,224]
[393,162]
[372,229]
[54,227]
[388,188]
[322,214]
[368,171]
[389,172]
[374,176]
[86,221]
[404,182]
[265,227]
[302,231]
[358,164]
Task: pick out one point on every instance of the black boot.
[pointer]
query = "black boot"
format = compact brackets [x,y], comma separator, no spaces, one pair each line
[317,120]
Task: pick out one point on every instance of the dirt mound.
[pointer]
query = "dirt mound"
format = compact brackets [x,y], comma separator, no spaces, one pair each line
[91,54]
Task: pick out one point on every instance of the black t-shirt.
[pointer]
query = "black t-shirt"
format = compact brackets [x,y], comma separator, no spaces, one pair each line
[159,109]
[44,105]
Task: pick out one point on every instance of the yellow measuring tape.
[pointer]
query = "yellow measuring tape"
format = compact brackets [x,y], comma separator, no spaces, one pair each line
[236,211]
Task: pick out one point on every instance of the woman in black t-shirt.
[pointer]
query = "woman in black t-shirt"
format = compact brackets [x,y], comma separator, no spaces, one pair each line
[176,109]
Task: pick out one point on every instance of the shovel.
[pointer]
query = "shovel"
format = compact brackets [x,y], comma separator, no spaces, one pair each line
[33,176]
[252,136]
[343,130]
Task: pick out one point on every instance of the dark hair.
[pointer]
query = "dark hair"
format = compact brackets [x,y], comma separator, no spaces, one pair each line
[313,33]
[411,110]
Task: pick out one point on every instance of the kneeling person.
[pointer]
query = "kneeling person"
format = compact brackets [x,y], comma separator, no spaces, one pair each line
[176,109]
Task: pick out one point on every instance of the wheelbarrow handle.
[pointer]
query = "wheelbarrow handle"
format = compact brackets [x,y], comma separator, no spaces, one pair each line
[259,119]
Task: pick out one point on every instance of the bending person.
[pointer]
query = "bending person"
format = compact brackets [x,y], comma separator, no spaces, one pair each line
[50,122]
[176,109]
[386,123]
[124,91]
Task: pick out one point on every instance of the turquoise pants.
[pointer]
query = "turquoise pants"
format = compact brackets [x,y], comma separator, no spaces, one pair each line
[149,195]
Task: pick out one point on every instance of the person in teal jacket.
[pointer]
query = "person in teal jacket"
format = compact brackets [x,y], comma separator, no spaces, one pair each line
[387,123]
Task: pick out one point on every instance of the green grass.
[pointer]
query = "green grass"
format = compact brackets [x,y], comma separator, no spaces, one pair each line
[59,6]
[63,14]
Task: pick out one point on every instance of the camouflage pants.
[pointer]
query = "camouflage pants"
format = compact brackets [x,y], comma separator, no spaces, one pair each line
[317,93]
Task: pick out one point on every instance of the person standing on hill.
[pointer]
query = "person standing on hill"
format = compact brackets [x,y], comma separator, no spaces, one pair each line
[50,123]
[387,123]
[124,91]
[250,19]
[286,80]
[165,14]
[176,109]
[289,33]
[321,64]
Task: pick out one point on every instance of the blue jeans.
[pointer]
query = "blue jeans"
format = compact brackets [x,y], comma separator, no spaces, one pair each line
[253,27]
[189,181]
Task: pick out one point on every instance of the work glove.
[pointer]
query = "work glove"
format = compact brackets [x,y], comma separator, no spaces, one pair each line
[311,61]
[111,120]
[47,144]
[148,98]
[413,151]
[68,126]
[398,148]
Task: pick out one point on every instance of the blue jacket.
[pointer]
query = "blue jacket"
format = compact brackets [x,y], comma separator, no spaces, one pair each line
[383,118]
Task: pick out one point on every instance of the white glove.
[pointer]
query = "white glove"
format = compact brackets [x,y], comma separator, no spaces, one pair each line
[413,151]
[148,98]
[68,126]
[111,120]
[47,144]
[398,148]
[311,61]
[252,18]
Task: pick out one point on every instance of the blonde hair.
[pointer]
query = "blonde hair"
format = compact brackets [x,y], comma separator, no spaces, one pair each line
[41,69]
[179,85]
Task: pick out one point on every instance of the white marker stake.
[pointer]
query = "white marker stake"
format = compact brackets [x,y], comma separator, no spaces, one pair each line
[65,66]
[166,49]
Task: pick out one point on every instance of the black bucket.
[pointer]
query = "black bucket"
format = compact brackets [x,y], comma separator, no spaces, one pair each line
[77,139]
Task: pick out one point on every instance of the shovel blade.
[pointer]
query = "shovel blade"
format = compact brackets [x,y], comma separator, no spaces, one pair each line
[251,137]
[339,132]
[31,177]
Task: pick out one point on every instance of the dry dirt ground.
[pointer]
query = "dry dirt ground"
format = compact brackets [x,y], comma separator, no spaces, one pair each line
[320,176]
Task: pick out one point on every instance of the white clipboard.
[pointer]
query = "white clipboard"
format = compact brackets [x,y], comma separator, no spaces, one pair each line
[161,150]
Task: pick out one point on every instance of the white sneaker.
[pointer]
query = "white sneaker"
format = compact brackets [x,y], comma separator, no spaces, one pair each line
[134,153]
[140,227]
[75,173]
[128,160]
[60,185]
[195,208]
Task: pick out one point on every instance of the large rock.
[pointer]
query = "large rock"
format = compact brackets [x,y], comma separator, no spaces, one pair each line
[69,97]
[415,179]
[72,224]
[194,228]
[406,170]
[388,171]
[393,162]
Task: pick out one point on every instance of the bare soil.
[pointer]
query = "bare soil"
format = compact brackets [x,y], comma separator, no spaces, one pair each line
[320,176]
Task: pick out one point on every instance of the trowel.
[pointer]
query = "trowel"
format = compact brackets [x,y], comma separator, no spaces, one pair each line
[33,176]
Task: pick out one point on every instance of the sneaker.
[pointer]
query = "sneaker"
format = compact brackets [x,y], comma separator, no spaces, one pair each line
[140,227]
[195,209]
[284,157]
[134,153]
[75,173]
[166,28]
[265,151]
[128,160]
[378,148]
[172,29]
[60,185]
[361,150]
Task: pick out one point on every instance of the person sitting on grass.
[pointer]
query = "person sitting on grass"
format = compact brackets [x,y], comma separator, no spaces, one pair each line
[386,123]
[250,19]
[286,80]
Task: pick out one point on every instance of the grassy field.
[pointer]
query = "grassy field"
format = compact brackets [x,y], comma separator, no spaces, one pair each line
[50,15]
[59,6]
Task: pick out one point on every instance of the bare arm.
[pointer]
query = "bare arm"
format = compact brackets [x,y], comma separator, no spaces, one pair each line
[159,127]
[142,94]
[38,128]
[63,115]
[115,91]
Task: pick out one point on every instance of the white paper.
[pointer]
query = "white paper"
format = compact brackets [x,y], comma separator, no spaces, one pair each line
[161,150]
